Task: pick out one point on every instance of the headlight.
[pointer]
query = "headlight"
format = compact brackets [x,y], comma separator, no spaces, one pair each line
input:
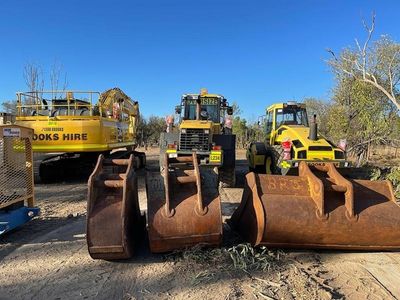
[183,130]
[206,131]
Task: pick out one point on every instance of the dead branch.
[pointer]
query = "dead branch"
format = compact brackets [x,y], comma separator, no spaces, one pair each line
[359,64]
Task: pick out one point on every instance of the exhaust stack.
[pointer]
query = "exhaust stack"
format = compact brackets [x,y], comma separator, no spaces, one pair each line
[198,108]
[313,134]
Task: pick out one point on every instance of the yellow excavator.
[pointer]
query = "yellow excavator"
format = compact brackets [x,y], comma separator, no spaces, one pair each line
[318,207]
[77,126]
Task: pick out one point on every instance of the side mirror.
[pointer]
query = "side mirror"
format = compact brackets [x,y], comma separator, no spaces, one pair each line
[178,109]
[229,110]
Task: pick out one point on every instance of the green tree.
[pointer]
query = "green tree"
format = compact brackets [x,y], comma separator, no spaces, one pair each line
[365,104]
[321,109]
[154,126]
[240,129]
[361,114]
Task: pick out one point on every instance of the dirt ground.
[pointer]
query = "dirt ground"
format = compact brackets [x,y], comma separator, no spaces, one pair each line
[48,259]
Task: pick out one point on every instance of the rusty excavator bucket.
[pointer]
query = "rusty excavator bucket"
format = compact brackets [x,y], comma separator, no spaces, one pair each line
[183,206]
[318,209]
[114,222]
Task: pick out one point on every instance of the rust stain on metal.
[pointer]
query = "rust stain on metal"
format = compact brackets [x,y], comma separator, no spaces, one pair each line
[114,221]
[318,209]
[182,210]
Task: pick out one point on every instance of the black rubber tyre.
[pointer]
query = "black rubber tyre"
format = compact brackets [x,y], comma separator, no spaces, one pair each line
[143,160]
[137,162]
[209,179]
[260,169]
[269,167]
[277,157]
[227,177]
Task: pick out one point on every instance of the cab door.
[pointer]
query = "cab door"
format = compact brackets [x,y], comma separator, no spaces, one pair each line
[270,126]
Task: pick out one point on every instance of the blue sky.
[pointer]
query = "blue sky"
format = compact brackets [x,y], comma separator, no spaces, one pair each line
[252,52]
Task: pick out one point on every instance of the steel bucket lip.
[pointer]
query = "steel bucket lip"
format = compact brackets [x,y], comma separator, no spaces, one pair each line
[162,245]
[341,247]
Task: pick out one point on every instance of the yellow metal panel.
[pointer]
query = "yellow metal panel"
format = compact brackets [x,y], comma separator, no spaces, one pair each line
[299,133]
[78,135]
[196,124]
[320,155]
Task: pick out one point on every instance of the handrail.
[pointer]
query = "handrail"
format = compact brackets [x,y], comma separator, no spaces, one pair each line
[36,103]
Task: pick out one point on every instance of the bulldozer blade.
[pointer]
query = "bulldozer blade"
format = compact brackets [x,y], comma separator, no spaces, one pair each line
[182,223]
[318,209]
[114,221]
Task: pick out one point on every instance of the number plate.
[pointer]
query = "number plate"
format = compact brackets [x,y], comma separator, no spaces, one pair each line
[321,164]
[215,158]
[173,155]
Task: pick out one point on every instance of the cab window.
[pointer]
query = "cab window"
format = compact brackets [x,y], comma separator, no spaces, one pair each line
[269,122]
[210,109]
[291,116]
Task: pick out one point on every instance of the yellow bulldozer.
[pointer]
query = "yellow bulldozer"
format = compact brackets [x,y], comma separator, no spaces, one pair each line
[318,207]
[77,126]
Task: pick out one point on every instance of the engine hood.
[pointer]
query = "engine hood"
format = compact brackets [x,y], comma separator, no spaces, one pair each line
[195,124]
[300,133]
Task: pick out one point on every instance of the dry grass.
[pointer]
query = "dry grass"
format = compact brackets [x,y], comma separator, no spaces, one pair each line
[240,257]
[264,273]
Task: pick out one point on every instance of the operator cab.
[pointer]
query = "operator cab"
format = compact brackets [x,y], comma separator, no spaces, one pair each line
[290,113]
[210,107]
